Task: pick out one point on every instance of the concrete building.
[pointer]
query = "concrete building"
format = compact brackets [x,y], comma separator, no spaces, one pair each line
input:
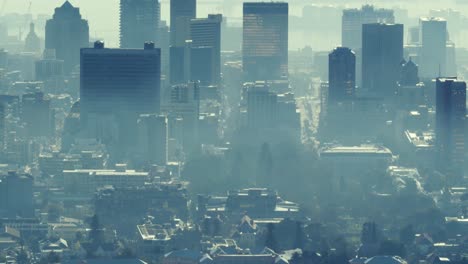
[382,52]
[139,22]
[88,181]
[450,127]
[181,11]
[116,87]
[204,33]
[353,19]
[153,139]
[16,195]
[37,115]
[265,41]
[67,33]
[342,75]
[433,38]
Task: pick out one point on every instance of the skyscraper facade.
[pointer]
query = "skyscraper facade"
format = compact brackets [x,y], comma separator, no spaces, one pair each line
[139,22]
[353,19]
[206,32]
[341,75]
[67,33]
[118,85]
[182,11]
[450,126]
[265,41]
[433,37]
[152,139]
[382,53]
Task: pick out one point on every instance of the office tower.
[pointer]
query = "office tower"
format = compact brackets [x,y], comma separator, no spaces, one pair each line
[179,59]
[206,33]
[382,52]
[152,138]
[2,127]
[16,196]
[409,73]
[433,37]
[182,11]
[164,43]
[49,67]
[450,126]
[139,22]
[353,19]
[265,41]
[37,115]
[32,43]
[202,65]
[261,107]
[183,110]
[341,75]
[410,90]
[118,85]
[67,33]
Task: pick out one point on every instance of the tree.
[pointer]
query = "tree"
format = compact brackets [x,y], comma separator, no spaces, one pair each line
[299,238]
[407,234]
[369,233]
[270,241]
[392,248]
[22,256]
[96,236]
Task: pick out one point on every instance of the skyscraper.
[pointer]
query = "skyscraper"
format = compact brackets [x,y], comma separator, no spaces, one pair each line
[118,85]
[433,37]
[67,33]
[206,32]
[341,75]
[182,11]
[37,115]
[450,126]
[265,41]
[353,19]
[139,22]
[152,138]
[32,43]
[2,127]
[382,53]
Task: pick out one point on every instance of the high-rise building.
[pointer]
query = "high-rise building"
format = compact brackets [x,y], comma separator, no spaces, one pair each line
[2,127]
[450,126]
[353,19]
[32,43]
[139,22]
[37,115]
[16,195]
[261,107]
[67,33]
[206,32]
[433,37]
[153,138]
[49,67]
[118,85]
[182,106]
[382,53]
[182,11]
[341,75]
[265,41]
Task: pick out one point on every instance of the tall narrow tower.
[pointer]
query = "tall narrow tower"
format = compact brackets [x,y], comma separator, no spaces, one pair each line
[139,22]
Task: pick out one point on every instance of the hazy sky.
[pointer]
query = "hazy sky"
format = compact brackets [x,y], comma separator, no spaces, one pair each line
[103,14]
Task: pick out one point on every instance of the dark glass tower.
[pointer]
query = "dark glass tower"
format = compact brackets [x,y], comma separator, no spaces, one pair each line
[206,33]
[341,75]
[450,126]
[139,22]
[182,11]
[265,41]
[67,33]
[117,86]
[382,53]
